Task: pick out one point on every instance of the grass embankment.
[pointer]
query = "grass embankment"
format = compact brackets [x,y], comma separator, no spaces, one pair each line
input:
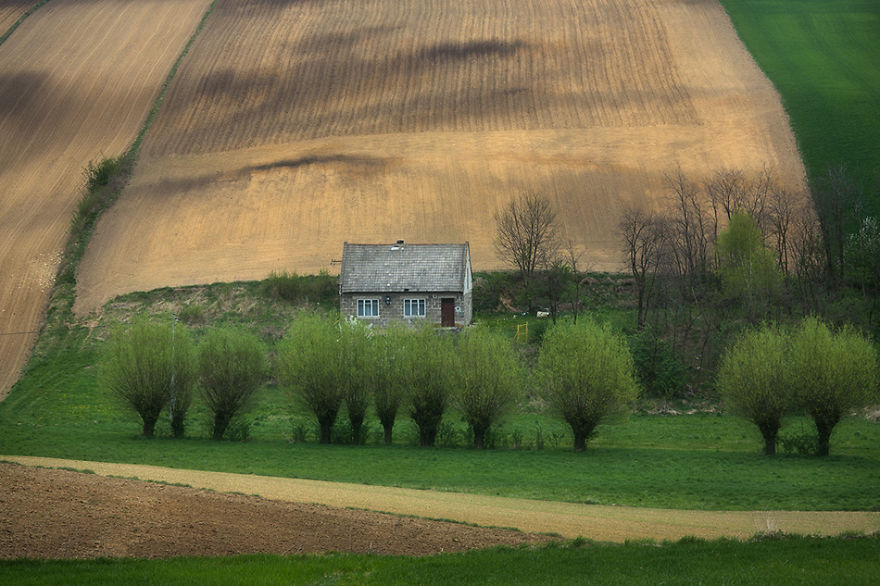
[765,561]
[822,58]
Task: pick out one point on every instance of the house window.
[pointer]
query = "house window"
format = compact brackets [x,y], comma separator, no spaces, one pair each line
[368,308]
[413,308]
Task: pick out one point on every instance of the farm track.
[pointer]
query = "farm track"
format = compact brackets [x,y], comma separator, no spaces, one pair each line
[291,128]
[77,80]
[601,523]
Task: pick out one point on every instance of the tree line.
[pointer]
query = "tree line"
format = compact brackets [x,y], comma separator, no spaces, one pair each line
[330,365]
[721,255]
[584,373]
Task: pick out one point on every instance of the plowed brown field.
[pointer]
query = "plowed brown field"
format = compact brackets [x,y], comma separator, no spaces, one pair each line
[117,517]
[77,80]
[293,127]
[51,514]
[11,11]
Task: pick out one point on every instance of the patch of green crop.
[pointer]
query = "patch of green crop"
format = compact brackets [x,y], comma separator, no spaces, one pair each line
[822,57]
[779,560]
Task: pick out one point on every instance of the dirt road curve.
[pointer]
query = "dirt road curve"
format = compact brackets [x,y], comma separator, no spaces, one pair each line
[606,523]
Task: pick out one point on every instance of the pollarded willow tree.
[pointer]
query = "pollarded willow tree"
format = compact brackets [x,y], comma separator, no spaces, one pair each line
[488,379]
[232,366]
[425,366]
[753,381]
[587,374]
[150,364]
[307,363]
[831,373]
[386,375]
[358,371]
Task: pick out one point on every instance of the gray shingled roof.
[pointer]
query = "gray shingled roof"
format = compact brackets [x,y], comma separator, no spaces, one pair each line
[389,268]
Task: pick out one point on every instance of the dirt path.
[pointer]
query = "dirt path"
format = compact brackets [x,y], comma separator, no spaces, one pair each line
[604,523]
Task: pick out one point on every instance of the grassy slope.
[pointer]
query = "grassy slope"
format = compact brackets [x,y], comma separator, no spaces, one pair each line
[770,561]
[822,57]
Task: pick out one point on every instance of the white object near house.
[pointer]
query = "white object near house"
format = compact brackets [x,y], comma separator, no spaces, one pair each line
[414,283]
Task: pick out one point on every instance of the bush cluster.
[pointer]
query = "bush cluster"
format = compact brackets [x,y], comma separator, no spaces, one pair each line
[585,373]
[153,364]
[328,365]
[770,372]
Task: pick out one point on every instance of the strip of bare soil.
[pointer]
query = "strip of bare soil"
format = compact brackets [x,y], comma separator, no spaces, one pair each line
[602,523]
[49,514]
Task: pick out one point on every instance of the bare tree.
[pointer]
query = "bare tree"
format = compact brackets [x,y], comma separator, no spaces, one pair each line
[781,216]
[643,239]
[573,258]
[689,231]
[808,255]
[838,200]
[557,277]
[527,235]
[726,191]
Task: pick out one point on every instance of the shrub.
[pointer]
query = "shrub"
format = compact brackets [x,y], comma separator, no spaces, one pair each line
[282,285]
[307,364]
[488,289]
[753,382]
[357,372]
[487,379]
[587,373]
[149,364]
[831,373]
[297,288]
[232,366]
[660,371]
[802,443]
[424,366]
[193,314]
[388,383]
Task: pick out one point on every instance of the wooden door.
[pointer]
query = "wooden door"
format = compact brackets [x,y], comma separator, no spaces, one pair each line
[447,313]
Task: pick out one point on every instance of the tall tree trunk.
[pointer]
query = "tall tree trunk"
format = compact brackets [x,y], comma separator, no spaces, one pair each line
[582,429]
[824,428]
[480,436]
[388,429]
[149,425]
[580,442]
[427,435]
[177,427]
[357,425]
[221,422]
[326,426]
[769,431]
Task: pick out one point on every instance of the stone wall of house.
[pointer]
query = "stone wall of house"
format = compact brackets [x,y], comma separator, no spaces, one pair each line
[391,307]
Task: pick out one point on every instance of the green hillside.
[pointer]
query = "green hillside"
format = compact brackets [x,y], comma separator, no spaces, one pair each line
[822,57]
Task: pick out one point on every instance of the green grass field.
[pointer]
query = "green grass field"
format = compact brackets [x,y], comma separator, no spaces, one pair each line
[769,561]
[822,57]
[702,461]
